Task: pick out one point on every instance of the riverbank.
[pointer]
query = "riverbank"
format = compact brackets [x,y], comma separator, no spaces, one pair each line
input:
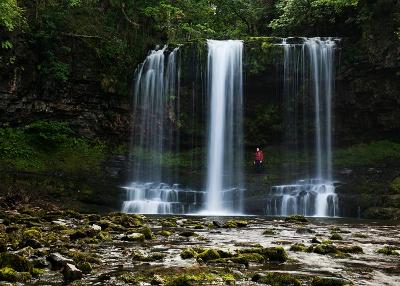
[49,246]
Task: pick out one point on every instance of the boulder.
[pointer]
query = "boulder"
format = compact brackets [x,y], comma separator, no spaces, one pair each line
[71,273]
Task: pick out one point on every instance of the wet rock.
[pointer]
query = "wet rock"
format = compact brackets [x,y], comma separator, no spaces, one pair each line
[40,262]
[217,223]
[296,218]
[388,250]
[33,243]
[276,279]
[181,222]
[71,273]
[137,237]
[16,262]
[165,233]
[235,223]
[188,253]
[351,249]
[269,232]
[209,254]
[315,240]
[304,230]
[157,280]
[187,233]
[10,275]
[318,281]
[336,236]
[58,261]
[298,247]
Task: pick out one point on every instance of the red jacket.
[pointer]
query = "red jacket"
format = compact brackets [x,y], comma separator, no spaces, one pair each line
[259,156]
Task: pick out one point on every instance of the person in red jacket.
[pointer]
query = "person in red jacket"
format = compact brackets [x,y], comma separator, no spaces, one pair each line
[258,160]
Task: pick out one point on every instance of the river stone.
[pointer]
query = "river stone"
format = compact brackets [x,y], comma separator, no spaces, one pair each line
[134,237]
[58,261]
[304,230]
[71,273]
[33,243]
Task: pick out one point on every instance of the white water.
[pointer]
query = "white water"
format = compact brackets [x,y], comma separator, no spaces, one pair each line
[225,154]
[308,71]
[156,110]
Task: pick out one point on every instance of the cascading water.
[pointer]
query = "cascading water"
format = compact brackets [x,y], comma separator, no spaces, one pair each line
[225,154]
[156,110]
[308,88]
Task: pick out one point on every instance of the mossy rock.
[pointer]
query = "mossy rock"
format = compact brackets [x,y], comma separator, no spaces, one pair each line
[235,223]
[395,185]
[186,279]
[209,254]
[277,279]
[147,232]
[129,221]
[135,237]
[187,233]
[139,256]
[296,218]
[388,250]
[298,247]
[168,223]
[85,267]
[273,254]
[10,275]
[336,236]
[325,248]
[165,233]
[128,277]
[188,253]
[16,262]
[318,281]
[351,249]
[269,232]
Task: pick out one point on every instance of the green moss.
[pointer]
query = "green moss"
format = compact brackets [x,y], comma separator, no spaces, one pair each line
[388,250]
[228,278]
[300,247]
[325,249]
[165,233]
[336,236]
[147,232]
[351,249]
[235,223]
[209,254]
[360,235]
[128,277]
[318,281]
[188,253]
[269,232]
[273,254]
[139,256]
[296,218]
[85,267]
[198,226]
[168,223]
[279,279]
[395,185]
[190,279]
[15,262]
[10,275]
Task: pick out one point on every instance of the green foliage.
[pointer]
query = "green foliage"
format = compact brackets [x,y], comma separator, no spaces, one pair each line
[10,14]
[49,146]
[367,154]
[395,185]
[308,15]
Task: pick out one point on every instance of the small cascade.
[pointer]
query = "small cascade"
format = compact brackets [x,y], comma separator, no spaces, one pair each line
[308,87]
[225,134]
[310,197]
[151,198]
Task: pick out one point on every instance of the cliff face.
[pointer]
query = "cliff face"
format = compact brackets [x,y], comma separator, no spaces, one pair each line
[91,111]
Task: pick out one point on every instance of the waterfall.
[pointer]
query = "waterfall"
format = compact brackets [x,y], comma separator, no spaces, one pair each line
[225,154]
[155,113]
[308,78]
